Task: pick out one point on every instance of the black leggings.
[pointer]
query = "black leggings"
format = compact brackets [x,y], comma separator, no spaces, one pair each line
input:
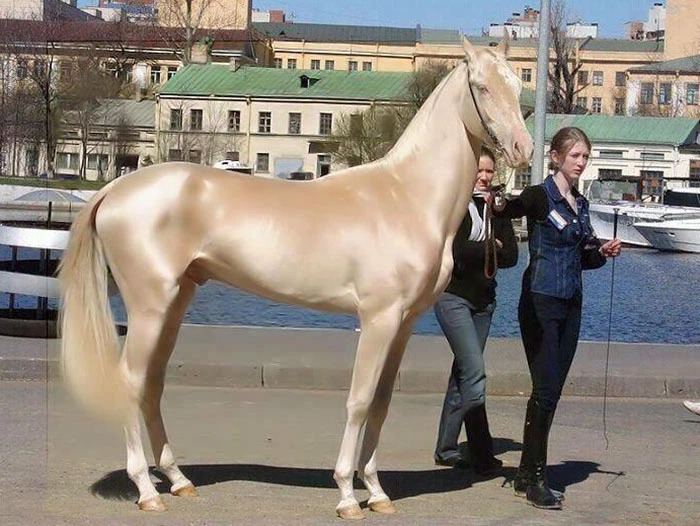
[549,328]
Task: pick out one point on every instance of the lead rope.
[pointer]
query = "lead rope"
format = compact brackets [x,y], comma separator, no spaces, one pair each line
[490,247]
[607,352]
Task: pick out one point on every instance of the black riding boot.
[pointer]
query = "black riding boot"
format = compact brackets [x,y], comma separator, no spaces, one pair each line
[531,480]
[480,442]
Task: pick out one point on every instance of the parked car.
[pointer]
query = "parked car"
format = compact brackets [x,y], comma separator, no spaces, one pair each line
[233,166]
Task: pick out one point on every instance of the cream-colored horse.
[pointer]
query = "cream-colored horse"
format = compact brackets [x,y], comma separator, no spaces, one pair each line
[374,239]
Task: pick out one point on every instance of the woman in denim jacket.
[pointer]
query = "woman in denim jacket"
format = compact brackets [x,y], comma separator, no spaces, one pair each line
[464,312]
[561,244]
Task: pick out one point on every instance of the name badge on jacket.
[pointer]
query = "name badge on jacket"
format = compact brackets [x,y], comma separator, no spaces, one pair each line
[557,220]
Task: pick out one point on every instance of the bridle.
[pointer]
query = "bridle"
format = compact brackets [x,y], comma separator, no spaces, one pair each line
[495,142]
[490,246]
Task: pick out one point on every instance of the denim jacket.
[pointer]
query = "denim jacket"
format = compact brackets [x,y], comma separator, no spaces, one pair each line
[561,245]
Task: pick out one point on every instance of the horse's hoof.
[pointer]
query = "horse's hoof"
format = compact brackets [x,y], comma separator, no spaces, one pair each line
[185,491]
[382,506]
[352,512]
[153,504]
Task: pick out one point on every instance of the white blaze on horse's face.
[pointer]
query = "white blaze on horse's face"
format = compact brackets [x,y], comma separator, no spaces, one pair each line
[496,91]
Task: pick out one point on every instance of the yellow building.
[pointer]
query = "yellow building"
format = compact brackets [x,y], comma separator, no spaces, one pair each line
[682,29]
[205,14]
[601,83]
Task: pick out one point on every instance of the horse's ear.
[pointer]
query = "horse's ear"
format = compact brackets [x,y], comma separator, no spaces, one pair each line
[469,49]
[504,44]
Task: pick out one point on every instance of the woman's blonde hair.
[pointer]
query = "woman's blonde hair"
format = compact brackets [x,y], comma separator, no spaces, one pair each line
[564,140]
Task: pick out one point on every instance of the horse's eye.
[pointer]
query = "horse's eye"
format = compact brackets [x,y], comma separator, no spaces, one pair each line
[483,90]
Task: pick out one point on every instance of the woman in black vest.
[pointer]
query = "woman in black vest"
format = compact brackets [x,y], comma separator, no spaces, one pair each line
[464,312]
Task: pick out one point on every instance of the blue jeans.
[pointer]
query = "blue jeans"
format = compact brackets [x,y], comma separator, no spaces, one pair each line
[466,331]
[549,328]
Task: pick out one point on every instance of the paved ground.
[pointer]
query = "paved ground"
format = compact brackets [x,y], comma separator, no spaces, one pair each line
[265,456]
[323,358]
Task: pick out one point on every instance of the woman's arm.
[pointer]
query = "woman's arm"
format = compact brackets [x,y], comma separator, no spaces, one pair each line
[532,202]
[503,231]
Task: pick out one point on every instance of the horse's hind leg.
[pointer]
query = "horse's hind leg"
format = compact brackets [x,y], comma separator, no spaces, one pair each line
[150,405]
[376,339]
[154,320]
[367,461]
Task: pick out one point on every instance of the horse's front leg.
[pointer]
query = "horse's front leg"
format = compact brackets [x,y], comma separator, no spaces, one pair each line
[367,463]
[378,331]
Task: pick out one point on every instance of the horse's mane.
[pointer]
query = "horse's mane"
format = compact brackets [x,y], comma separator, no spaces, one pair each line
[422,118]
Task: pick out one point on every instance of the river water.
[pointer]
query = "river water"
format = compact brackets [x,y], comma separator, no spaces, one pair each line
[655,299]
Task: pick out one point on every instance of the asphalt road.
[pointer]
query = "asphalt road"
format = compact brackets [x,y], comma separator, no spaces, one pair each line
[265,457]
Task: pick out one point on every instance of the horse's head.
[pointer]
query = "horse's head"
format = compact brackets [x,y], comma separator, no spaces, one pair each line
[495,95]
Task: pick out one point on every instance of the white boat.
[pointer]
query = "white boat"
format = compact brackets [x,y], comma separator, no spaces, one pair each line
[675,233]
[630,213]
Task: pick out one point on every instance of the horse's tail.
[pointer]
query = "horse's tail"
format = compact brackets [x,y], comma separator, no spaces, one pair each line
[90,346]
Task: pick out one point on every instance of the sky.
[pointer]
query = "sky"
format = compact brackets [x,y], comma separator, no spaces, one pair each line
[470,16]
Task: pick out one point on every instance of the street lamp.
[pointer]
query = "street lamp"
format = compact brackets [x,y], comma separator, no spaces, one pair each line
[541,93]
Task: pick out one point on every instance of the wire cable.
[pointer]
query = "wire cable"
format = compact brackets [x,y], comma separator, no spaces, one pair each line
[607,351]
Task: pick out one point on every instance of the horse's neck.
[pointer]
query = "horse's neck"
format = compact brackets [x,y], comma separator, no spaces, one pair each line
[437,156]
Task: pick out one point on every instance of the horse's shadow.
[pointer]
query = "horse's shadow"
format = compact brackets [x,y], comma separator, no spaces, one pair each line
[398,484]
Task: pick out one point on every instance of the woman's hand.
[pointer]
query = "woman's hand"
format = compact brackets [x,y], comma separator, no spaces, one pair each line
[611,248]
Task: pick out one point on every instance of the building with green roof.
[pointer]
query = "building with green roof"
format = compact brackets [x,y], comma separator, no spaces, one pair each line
[659,152]
[278,121]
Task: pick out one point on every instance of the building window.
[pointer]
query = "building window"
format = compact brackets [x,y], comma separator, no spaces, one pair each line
[39,69]
[278,63]
[329,64]
[582,102]
[262,162]
[609,173]
[196,117]
[526,75]
[583,78]
[611,154]
[264,122]
[171,71]
[66,70]
[22,68]
[694,173]
[325,124]
[620,78]
[619,106]
[294,123]
[652,182]
[523,178]
[234,121]
[646,93]
[174,155]
[194,156]
[67,161]
[98,161]
[176,119]
[597,78]
[665,93]
[691,93]
[366,66]
[596,105]
[291,63]
[155,74]
[651,156]
[352,65]
[315,63]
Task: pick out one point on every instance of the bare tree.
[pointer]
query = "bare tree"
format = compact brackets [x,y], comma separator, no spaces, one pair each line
[83,86]
[565,64]
[182,23]
[366,136]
